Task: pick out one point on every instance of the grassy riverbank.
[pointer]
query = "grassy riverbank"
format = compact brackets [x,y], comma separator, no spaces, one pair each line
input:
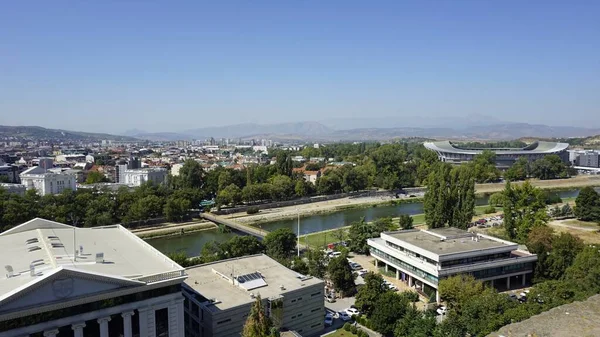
[175,231]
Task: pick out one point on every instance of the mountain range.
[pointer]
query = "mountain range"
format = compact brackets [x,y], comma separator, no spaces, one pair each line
[331,130]
[40,133]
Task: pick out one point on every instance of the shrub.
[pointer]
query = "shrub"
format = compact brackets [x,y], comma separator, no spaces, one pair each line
[362,333]
[347,326]
[489,209]
[353,329]
[252,210]
[553,198]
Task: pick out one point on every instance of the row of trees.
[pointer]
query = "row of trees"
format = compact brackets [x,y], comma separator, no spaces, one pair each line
[588,205]
[450,196]
[547,167]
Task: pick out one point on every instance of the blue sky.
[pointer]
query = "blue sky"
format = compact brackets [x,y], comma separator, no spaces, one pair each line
[175,65]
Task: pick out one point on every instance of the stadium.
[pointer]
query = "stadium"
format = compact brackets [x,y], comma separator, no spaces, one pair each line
[505,157]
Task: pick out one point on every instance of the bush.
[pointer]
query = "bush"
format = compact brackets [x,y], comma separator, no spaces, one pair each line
[362,333]
[490,209]
[553,198]
[252,210]
[347,326]
[353,329]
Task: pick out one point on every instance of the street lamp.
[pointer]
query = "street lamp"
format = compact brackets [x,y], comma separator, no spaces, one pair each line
[298,238]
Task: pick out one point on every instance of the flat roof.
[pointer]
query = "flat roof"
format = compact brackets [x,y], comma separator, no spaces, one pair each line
[215,281]
[539,147]
[441,241]
[50,246]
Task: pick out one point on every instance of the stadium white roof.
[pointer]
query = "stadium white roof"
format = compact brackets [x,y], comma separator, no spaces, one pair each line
[539,147]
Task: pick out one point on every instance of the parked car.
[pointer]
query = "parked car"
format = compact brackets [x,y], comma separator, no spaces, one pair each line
[442,310]
[344,316]
[335,254]
[355,266]
[328,319]
[362,272]
[352,311]
[392,287]
[329,298]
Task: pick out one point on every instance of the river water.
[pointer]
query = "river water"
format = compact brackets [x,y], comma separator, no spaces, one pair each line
[192,243]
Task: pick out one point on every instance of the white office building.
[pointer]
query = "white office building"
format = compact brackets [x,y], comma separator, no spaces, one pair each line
[219,296]
[136,177]
[46,182]
[422,258]
[62,281]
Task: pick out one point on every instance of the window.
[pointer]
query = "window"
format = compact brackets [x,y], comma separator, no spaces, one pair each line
[315,325]
[224,321]
[299,298]
[315,309]
[315,294]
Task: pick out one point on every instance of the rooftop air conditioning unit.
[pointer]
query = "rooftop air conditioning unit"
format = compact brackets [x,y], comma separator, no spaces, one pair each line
[99,257]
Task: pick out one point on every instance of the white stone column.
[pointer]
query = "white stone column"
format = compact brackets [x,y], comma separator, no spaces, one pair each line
[437,296]
[147,322]
[523,280]
[176,327]
[508,283]
[386,267]
[103,326]
[410,280]
[51,333]
[492,283]
[397,274]
[127,330]
[78,329]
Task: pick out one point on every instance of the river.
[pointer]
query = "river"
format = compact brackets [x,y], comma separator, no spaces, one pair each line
[192,243]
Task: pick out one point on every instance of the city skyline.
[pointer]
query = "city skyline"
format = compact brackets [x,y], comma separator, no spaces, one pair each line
[110,67]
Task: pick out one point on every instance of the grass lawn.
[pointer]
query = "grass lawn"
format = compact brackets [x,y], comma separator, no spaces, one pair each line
[319,240]
[341,332]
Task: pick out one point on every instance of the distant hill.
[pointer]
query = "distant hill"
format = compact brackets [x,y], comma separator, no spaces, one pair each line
[40,133]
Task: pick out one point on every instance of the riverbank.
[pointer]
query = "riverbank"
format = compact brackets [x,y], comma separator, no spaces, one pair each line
[174,229]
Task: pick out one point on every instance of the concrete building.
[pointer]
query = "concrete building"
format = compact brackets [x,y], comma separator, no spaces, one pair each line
[175,169]
[13,188]
[219,296]
[11,172]
[423,257]
[63,281]
[136,177]
[505,157]
[45,182]
[588,159]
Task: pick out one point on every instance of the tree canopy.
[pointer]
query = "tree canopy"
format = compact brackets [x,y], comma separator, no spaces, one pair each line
[587,205]
[341,274]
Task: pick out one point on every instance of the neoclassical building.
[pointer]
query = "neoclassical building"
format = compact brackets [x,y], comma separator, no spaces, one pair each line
[95,282]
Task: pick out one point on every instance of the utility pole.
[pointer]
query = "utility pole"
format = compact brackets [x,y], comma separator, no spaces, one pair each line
[298,210]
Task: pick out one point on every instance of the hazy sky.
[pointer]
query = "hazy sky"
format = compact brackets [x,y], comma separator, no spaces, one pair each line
[174,65]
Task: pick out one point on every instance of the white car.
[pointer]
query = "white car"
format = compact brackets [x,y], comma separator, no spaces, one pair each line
[362,272]
[344,316]
[328,319]
[392,287]
[335,254]
[352,311]
[441,310]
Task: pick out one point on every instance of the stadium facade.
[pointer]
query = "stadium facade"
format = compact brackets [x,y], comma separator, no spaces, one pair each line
[505,157]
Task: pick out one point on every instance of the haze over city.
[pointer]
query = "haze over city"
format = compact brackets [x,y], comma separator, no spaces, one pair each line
[112,66]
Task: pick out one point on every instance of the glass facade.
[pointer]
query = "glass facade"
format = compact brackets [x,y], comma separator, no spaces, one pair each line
[410,253]
[404,265]
[476,259]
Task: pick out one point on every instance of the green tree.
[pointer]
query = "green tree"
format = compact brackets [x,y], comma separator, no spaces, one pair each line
[456,290]
[389,308]
[180,258]
[539,242]
[497,199]
[416,323]
[225,179]
[282,187]
[484,167]
[355,179]
[406,221]
[518,171]
[280,244]
[587,205]
[258,324]
[316,263]
[230,195]
[94,177]
[585,270]
[524,208]
[243,245]
[176,208]
[284,164]
[565,248]
[341,274]
[299,265]
[450,196]
[191,174]
[549,167]
[370,292]
[358,234]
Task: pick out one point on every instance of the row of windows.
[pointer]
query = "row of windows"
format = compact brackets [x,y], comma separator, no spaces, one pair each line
[224,321]
[502,270]
[402,264]
[474,259]
[410,253]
